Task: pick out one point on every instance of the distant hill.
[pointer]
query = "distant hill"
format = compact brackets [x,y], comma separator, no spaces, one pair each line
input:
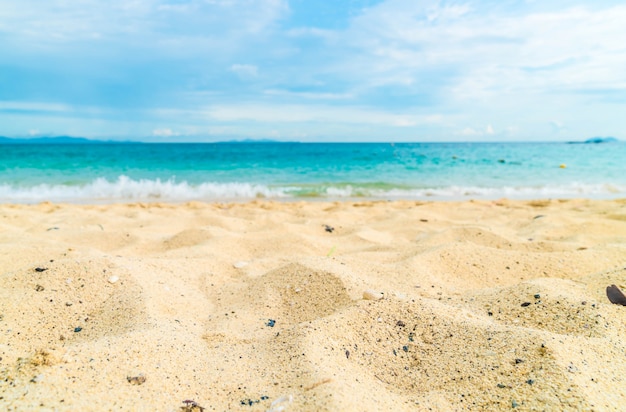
[598,139]
[55,140]
[255,141]
[601,140]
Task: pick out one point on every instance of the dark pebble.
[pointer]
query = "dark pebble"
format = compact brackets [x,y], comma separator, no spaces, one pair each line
[400,323]
[530,381]
[39,288]
[77,329]
[270,323]
[490,313]
[264,398]
[329,229]
[40,269]
[405,348]
[501,386]
[518,361]
[615,295]
[525,304]
[537,296]
[347,354]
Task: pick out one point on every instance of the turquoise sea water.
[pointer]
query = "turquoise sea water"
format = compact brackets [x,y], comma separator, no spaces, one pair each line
[86,173]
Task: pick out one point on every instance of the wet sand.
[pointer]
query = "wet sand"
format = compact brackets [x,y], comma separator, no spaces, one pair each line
[476,305]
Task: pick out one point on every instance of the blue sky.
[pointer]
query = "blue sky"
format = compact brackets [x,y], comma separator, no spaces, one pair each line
[313,70]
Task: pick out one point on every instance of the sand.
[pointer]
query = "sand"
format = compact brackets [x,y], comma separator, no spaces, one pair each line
[477,305]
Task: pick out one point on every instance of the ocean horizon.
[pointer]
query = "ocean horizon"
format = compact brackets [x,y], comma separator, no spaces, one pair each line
[107,172]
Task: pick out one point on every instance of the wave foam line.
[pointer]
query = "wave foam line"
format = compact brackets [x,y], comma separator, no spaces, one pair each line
[127,189]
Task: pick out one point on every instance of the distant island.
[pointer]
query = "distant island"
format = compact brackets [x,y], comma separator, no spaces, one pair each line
[57,140]
[83,140]
[598,139]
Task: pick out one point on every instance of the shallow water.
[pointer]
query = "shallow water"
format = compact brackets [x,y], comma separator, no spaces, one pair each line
[242,171]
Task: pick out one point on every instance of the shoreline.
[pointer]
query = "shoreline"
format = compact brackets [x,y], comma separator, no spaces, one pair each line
[313,305]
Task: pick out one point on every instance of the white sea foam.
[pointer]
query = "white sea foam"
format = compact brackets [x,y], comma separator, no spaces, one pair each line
[127,189]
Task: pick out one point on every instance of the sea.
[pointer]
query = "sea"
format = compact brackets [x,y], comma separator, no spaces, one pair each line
[227,172]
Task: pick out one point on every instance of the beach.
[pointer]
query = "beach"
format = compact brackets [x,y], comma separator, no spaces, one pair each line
[313,306]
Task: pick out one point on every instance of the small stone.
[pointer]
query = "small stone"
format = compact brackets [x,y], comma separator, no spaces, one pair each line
[136,380]
[514,404]
[518,361]
[400,323]
[405,348]
[240,265]
[113,279]
[525,304]
[40,269]
[39,288]
[530,381]
[270,323]
[77,329]
[372,295]
[537,296]
[501,386]
[68,303]
[37,378]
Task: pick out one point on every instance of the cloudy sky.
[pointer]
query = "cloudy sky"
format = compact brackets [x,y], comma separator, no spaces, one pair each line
[313,70]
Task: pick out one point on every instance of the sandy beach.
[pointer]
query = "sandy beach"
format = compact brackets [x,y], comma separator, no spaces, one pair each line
[313,306]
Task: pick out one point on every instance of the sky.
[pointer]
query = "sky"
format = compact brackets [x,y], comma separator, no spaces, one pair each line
[313,70]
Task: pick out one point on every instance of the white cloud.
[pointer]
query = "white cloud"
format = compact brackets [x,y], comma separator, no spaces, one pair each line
[487,53]
[245,70]
[147,23]
[279,113]
[34,106]
[164,133]
[309,95]
[470,131]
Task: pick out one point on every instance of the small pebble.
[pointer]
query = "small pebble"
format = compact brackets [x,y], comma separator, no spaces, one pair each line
[37,378]
[270,323]
[39,288]
[525,304]
[501,386]
[518,361]
[77,329]
[281,403]
[537,296]
[530,381]
[113,279]
[372,295]
[240,265]
[40,269]
[136,380]
[68,303]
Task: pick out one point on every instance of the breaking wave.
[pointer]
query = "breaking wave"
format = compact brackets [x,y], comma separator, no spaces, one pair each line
[125,189]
